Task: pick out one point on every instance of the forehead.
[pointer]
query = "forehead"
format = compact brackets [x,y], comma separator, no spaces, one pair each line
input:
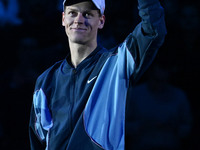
[82,6]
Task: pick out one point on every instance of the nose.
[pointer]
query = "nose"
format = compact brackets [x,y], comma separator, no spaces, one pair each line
[79,19]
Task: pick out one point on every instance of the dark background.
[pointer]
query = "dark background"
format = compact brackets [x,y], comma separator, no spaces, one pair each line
[37,40]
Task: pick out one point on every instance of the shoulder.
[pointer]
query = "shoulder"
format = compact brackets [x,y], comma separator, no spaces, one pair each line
[48,74]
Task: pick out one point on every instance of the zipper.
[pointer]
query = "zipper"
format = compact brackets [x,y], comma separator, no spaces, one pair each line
[74,73]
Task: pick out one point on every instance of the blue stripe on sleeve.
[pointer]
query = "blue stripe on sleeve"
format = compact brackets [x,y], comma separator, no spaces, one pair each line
[43,116]
[104,115]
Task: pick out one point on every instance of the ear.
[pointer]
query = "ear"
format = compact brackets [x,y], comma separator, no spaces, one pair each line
[102,21]
[63,18]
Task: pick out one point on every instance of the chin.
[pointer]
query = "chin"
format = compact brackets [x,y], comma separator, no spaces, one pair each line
[78,41]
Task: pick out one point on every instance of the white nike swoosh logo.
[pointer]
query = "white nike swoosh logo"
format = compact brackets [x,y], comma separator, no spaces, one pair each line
[91,79]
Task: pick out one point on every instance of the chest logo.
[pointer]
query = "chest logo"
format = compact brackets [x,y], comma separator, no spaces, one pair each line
[91,79]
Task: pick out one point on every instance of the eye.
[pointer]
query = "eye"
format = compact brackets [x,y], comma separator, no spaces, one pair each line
[72,13]
[88,15]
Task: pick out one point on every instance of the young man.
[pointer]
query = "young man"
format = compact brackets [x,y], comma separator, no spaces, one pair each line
[79,103]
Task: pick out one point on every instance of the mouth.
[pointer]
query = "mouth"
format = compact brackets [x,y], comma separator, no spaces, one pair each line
[79,29]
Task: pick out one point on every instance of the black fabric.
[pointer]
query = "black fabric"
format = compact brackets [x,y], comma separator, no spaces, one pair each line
[86,142]
[71,2]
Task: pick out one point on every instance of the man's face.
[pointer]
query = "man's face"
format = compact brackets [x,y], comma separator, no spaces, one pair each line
[82,22]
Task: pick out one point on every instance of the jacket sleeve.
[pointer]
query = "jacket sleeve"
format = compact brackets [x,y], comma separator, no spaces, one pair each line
[35,142]
[40,120]
[147,37]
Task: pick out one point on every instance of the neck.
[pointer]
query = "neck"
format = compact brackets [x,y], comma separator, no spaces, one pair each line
[80,51]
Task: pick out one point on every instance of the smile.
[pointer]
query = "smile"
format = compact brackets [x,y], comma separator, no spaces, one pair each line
[79,29]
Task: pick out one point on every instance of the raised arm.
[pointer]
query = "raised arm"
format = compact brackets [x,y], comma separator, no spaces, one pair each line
[148,36]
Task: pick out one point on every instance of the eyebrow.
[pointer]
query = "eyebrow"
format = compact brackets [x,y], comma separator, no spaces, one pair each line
[74,9]
[71,8]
